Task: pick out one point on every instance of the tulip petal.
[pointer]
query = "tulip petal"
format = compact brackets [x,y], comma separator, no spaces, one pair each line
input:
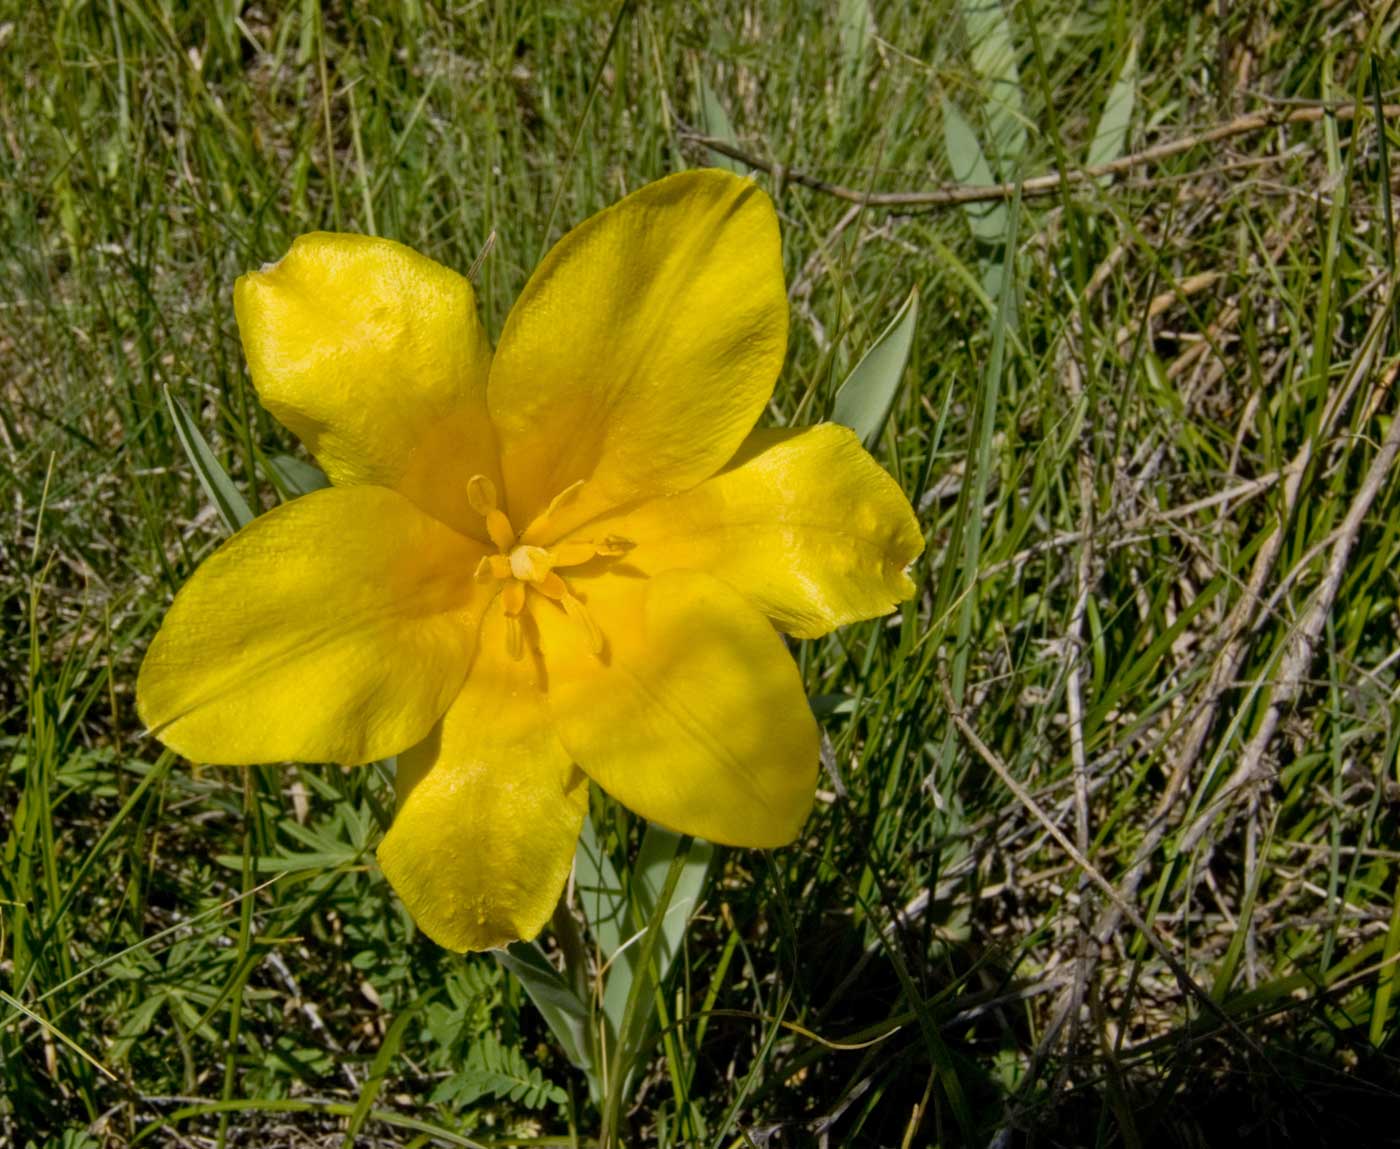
[338,627]
[693,715]
[804,523]
[374,357]
[642,350]
[490,807]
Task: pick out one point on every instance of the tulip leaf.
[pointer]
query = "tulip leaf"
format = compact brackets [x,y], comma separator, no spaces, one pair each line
[855,30]
[600,892]
[219,488]
[293,477]
[563,1011]
[666,863]
[994,60]
[1111,136]
[864,400]
[714,121]
[659,851]
[970,167]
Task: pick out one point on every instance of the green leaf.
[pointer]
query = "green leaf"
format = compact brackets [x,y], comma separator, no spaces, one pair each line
[1111,136]
[855,30]
[864,400]
[654,860]
[563,1012]
[994,60]
[714,121]
[219,488]
[294,477]
[501,1072]
[969,165]
[600,892]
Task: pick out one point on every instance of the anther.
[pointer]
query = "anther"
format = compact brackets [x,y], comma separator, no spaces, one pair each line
[552,586]
[481,494]
[615,545]
[513,597]
[579,613]
[515,636]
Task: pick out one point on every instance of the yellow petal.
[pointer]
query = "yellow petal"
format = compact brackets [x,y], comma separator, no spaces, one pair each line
[338,627]
[374,357]
[804,523]
[693,716]
[642,350]
[490,807]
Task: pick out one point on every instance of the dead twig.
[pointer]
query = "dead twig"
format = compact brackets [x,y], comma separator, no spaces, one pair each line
[950,195]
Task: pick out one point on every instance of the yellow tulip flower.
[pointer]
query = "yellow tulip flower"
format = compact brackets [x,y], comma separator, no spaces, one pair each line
[561,561]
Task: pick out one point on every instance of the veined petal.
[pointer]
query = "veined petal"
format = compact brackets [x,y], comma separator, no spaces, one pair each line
[693,716]
[337,627]
[642,349]
[374,357]
[804,523]
[490,807]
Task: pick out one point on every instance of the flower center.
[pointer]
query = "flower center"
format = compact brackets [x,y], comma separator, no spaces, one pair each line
[522,568]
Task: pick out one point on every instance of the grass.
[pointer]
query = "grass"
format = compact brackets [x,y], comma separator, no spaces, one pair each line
[1148,422]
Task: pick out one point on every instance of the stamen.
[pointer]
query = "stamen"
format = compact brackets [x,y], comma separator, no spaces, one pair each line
[513,595]
[486,568]
[573,554]
[552,586]
[579,613]
[615,545]
[515,636]
[500,530]
[481,494]
[500,566]
[540,524]
[576,552]
[563,498]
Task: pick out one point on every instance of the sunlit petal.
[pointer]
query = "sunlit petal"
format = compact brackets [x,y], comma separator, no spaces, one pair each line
[642,350]
[490,807]
[337,627]
[374,356]
[803,522]
[693,716]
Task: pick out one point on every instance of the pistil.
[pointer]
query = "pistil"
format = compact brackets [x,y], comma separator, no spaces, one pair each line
[520,566]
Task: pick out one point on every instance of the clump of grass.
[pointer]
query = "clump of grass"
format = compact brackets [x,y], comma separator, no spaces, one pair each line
[1105,853]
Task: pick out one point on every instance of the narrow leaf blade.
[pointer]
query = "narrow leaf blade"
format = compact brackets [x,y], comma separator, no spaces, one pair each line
[1111,136]
[970,166]
[865,399]
[219,488]
[563,1012]
[294,477]
[994,60]
[715,122]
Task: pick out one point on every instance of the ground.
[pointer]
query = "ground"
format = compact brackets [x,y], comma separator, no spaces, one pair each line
[1104,850]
